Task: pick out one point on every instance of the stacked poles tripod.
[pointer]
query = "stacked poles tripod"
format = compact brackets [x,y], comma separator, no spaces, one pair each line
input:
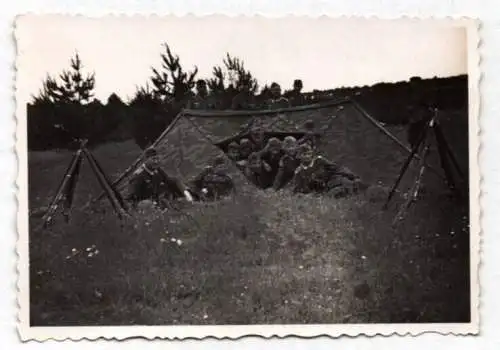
[421,150]
[66,190]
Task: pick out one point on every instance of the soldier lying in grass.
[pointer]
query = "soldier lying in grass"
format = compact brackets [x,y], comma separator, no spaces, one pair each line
[316,174]
[153,183]
[213,182]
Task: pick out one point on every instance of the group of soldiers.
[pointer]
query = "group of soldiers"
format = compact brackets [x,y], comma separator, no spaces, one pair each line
[268,163]
[246,100]
[291,162]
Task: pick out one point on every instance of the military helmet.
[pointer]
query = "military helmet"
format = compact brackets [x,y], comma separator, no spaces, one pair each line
[289,140]
[219,160]
[233,145]
[245,142]
[274,142]
[304,148]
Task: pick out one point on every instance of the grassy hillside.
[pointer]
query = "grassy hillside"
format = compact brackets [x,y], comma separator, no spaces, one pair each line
[262,257]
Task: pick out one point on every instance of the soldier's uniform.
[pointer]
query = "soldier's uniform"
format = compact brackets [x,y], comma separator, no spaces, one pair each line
[318,175]
[243,100]
[257,138]
[419,111]
[258,171]
[310,138]
[295,96]
[213,182]
[233,151]
[280,102]
[271,155]
[246,148]
[287,164]
[201,100]
[150,182]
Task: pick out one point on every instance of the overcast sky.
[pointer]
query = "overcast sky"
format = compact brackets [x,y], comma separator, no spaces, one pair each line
[325,53]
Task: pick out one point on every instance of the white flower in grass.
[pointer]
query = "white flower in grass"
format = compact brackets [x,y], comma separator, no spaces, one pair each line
[179,242]
[96,252]
[91,255]
[163,240]
[73,250]
[205,316]
[173,240]
[88,249]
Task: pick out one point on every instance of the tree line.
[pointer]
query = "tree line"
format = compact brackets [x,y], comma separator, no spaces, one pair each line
[65,110]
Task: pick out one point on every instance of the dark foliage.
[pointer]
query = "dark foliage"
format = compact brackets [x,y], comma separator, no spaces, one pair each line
[64,110]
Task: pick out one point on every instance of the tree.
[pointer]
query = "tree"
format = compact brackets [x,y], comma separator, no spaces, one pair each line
[234,73]
[171,83]
[73,86]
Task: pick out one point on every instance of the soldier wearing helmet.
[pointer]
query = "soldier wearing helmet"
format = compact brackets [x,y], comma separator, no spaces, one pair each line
[233,151]
[310,136]
[271,155]
[277,100]
[201,100]
[287,163]
[295,96]
[150,181]
[214,181]
[319,175]
[258,171]
[246,148]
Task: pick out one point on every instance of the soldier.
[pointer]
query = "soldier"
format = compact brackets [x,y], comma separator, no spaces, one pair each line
[258,171]
[277,100]
[151,182]
[244,99]
[287,164]
[201,99]
[214,181]
[295,96]
[316,174]
[419,112]
[246,148]
[310,136]
[257,137]
[233,151]
[271,154]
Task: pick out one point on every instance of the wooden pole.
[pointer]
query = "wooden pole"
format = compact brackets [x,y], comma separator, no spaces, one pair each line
[106,186]
[391,136]
[64,183]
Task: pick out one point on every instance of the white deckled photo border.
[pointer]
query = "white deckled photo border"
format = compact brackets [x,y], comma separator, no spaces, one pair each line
[233,332]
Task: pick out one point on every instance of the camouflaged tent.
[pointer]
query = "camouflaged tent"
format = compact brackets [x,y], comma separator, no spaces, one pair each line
[349,136]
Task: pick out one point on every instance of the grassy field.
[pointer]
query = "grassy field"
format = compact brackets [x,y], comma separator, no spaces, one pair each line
[261,257]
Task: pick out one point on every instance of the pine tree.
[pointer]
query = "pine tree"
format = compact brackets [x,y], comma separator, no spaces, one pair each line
[233,74]
[73,86]
[171,83]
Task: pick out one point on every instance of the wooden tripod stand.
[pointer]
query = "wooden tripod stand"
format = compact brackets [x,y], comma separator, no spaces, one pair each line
[66,190]
[422,148]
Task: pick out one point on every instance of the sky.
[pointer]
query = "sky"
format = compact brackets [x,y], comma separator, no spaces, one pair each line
[324,52]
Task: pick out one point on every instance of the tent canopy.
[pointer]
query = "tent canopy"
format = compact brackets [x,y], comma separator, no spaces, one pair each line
[349,136]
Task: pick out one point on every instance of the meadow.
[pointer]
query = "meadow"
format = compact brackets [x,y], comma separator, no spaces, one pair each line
[262,257]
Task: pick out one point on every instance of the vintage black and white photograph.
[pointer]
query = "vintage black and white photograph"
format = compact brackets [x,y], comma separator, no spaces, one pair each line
[316,174]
